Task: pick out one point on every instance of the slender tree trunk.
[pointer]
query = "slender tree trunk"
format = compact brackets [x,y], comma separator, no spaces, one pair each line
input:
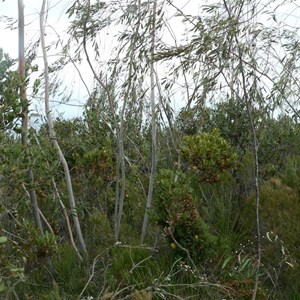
[63,208]
[256,174]
[54,139]
[116,215]
[112,108]
[256,181]
[25,118]
[249,107]
[121,158]
[153,127]
[65,212]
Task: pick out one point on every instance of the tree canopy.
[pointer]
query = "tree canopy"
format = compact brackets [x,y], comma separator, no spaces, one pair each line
[180,180]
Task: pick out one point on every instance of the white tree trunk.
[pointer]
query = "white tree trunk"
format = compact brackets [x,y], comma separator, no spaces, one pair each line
[54,139]
[23,96]
[153,126]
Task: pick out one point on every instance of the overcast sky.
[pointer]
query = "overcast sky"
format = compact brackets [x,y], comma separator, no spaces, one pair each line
[9,8]
[59,21]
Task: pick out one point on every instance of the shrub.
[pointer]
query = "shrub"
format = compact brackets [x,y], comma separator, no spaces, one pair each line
[99,229]
[11,266]
[208,155]
[279,211]
[177,215]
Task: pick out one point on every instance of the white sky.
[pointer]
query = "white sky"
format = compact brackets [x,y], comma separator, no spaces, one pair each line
[59,21]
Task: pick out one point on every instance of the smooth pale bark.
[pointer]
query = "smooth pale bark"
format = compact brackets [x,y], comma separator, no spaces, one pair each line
[25,118]
[121,158]
[63,208]
[248,99]
[112,109]
[256,174]
[65,212]
[54,139]
[153,127]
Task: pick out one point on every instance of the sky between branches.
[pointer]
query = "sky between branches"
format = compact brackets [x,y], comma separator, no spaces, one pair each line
[57,25]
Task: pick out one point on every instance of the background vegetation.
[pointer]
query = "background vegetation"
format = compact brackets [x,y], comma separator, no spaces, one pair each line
[168,201]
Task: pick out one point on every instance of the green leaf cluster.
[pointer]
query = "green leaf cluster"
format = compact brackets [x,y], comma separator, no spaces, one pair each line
[177,215]
[10,103]
[208,155]
[11,266]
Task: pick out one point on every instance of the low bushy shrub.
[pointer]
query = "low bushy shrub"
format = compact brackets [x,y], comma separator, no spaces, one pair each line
[177,215]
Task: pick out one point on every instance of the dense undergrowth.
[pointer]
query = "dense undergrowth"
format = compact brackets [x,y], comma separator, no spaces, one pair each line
[180,145]
[201,241]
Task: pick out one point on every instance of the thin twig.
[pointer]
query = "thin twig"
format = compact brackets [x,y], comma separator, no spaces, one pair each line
[169,233]
[39,210]
[91,276]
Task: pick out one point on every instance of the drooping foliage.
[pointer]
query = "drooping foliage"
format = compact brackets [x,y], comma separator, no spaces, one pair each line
[220,92]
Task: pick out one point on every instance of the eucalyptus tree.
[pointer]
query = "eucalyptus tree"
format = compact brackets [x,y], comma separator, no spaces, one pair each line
[229,54]
[153,123]
[126,70]
[25,118]
[53,138]
[249,96]
[222,57]
[89,20]
[121,158]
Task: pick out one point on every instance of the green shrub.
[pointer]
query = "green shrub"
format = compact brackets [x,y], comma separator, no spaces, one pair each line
[177,215]
[279,213]
[139,269]
[99,233]
[37,248]
[11,267]
[98,165]
[208,155]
